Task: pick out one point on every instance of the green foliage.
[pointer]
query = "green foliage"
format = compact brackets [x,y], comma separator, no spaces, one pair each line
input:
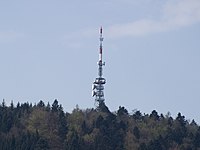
[27,127]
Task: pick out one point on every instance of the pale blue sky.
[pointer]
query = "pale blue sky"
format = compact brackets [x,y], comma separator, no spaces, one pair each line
[49,50]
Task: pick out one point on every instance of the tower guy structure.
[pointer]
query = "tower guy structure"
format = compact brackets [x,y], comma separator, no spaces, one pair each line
[98,84]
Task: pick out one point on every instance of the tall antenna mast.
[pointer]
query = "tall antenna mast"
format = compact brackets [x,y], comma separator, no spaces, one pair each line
[98,84]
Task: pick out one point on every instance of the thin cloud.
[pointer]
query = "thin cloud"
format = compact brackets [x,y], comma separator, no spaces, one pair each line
[176,14]
[73,40]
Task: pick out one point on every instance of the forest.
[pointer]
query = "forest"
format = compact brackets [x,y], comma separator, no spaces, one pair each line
[46,126]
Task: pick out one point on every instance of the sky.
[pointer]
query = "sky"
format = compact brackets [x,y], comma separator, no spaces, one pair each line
[49,50]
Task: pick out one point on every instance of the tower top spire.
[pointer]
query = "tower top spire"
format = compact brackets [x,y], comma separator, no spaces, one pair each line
[101,44]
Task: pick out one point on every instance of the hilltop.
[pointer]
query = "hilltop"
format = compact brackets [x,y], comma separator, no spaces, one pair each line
[44,126]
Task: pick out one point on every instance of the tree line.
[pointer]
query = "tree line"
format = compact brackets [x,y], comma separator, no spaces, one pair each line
[43,126]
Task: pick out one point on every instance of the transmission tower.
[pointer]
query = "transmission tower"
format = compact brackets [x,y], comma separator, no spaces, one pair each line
[98,84]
